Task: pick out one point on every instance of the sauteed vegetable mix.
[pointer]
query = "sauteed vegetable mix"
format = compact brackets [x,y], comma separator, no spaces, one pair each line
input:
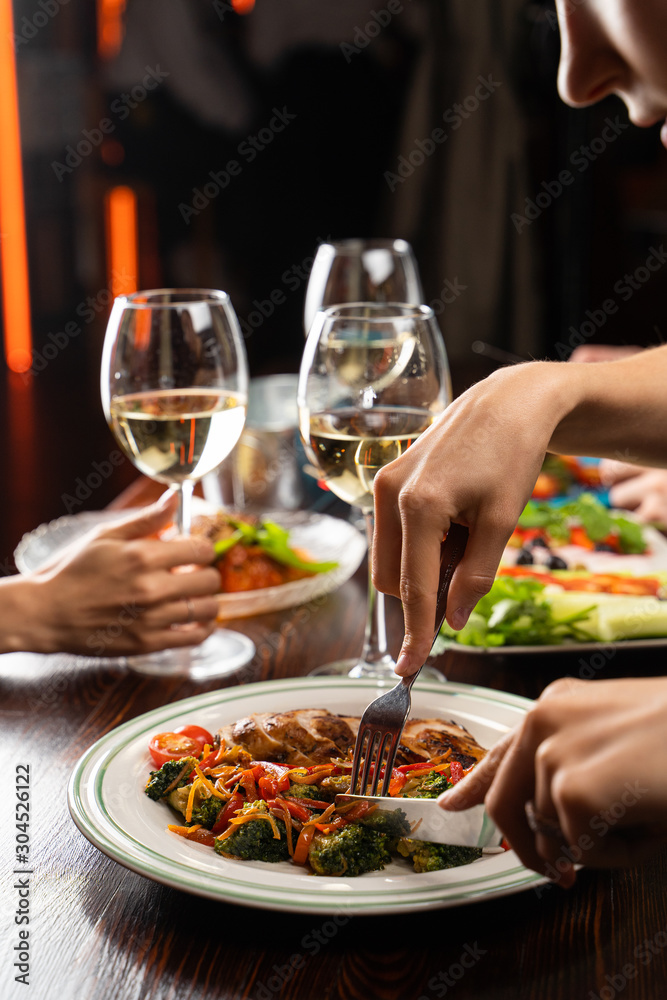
[259,810]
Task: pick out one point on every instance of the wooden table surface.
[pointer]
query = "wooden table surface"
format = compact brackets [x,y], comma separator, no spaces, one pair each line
[98,930]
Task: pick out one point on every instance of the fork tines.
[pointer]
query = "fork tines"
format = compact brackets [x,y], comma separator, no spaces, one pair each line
[374,747]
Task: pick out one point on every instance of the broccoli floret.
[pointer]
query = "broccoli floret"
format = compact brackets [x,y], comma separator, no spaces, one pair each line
[173,774]
[207,811]
[430,786]
[351,850]
[428,857]
[296,791]
[393,824]
[254,840]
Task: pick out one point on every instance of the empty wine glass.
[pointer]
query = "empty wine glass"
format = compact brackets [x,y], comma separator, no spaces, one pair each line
[174,387]
[373,378]
[361,270]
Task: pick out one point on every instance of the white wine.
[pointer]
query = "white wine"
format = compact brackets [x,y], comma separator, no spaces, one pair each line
[177,434]
[350,446]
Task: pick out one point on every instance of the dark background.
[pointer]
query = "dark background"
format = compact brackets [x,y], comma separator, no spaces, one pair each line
[322,177]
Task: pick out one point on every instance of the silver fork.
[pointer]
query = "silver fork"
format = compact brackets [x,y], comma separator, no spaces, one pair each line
[383,721]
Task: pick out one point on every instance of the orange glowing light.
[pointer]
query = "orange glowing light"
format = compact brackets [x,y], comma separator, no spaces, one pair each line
[243,6]
[13,244]
[122,253]
[110,27]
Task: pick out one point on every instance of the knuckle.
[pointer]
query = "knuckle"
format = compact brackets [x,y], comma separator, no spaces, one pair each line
[480,584]
[416,498]
[412,592]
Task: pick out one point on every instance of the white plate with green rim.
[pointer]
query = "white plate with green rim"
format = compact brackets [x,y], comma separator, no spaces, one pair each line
[108,804]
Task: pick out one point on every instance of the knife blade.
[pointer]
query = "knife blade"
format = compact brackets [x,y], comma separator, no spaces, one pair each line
[470,828]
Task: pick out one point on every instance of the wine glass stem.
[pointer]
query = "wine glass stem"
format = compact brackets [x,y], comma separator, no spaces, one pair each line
[375,638]
[184,511]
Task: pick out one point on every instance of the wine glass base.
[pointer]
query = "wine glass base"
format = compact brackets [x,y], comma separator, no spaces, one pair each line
[383,670]
[222,653]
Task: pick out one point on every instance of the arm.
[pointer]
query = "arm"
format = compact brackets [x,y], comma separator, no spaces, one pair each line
[118,591]
[478,463]
[591,755]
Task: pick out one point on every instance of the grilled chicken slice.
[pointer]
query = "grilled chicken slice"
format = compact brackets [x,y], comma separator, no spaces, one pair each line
[304,737]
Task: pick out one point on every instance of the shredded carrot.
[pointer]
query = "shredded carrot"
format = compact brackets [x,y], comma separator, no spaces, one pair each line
[286,817]
[323,816]
[191,799]
[184,831]
[209,785]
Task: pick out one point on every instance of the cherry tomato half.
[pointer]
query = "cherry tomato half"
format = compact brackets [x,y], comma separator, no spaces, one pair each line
[196,733]
[171,746]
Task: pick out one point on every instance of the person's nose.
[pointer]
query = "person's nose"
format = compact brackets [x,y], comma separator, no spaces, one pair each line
[590,68]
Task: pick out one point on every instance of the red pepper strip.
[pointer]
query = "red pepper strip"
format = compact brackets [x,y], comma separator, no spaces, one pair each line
[294,808]
[311,803]
[406,768]
[268,787]
[279,774]
[456,771]
[303,845]
[222,822]
[358,810]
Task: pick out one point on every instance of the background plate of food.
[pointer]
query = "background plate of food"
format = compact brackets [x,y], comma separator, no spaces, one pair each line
[333,545]
[574,575]
[108,803]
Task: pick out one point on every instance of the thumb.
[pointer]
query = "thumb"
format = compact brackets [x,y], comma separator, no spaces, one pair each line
[147,520]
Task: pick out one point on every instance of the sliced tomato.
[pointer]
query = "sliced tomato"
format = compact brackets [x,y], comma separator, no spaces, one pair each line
[455,771]
[198,734]
[268,787]
[579,537]
[172,746]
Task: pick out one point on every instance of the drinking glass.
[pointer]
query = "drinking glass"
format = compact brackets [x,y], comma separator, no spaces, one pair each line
[174,388]
[360,270]
[373,377]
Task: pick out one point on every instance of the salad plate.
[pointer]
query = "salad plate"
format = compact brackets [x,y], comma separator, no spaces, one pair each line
[323,537]
[108,804]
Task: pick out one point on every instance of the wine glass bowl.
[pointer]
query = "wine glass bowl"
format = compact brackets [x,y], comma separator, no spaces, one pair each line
[361,270]
[174,388]
[373,377]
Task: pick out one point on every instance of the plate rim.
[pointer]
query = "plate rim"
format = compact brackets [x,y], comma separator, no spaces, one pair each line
[93,763]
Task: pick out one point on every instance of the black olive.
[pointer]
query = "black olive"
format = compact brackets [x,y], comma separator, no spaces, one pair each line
[524,558]
[536,542]
[555,562]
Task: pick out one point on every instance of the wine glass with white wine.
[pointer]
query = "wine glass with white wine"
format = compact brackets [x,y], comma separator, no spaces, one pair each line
[361,270]
[373,377]
[174,387]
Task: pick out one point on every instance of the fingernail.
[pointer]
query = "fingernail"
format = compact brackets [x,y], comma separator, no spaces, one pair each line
[460,617]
